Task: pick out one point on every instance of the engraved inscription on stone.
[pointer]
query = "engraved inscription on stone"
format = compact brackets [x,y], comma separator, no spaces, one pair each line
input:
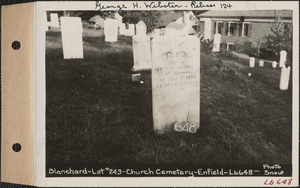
[175,81]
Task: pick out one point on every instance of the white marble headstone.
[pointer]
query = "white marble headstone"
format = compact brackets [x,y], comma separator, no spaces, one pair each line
[284,78]
[217,41]
[141,28]
[111,30]
[141,48]
[282,58]
[274,64]
[122,28]
[261,63]
[130,31]
[54,20]
[156,32]
[252,62]
[175,82]
[71,29]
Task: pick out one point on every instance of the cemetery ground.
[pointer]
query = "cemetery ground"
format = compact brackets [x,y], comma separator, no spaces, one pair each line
[95,114]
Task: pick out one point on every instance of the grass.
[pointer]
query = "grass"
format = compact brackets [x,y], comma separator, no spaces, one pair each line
[96,115]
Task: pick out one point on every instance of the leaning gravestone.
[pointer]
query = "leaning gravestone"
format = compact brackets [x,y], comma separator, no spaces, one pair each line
[54,20]
[252,62]
[176,83]
[141,48]
[111,30]
[284,78]
[71,29]
[282,58]
[217,41]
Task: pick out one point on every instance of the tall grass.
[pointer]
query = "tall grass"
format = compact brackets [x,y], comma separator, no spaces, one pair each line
[96,115]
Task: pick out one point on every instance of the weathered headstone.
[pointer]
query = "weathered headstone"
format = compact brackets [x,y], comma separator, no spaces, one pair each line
[282,58]
[54,20]
[274,64]
[261,63]
[111,30]
[284,78]
[122,28]
[252,62]
[176,83]
[71,29]
[141,48]
[130,31]
[217,41]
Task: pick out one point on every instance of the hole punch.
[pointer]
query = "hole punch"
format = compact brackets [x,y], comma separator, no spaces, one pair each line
[17,147]
[16,45]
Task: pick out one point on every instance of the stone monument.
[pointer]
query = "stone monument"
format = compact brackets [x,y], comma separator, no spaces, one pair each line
[141,48]
[176,83]
[71,29]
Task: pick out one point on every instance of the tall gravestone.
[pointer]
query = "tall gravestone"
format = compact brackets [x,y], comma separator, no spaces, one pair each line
[122,28]
[54,20]
[141,48]
[217,41]
[252,62]
[284,78]
[71,29]
[111,30]
[176,83]
[282,58]
[130,31]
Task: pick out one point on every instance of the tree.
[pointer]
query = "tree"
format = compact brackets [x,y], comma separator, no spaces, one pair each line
[151,18]
[281,37]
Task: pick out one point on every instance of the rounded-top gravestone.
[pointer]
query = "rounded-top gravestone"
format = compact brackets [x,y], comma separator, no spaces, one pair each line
[141,28]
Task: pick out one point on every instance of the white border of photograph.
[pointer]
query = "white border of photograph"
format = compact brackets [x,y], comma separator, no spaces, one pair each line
[40,106]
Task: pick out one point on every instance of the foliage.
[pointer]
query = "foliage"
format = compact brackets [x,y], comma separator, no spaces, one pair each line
[86,15]
[151,18]
[281,37]
[249,49]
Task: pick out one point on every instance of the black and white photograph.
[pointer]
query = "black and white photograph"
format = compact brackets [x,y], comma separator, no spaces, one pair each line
[151,93]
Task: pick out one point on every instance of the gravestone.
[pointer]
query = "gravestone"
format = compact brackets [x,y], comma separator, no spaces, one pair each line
[157,32]
[54,20]
[217,41]
[170,32]
[284,78]
[71,29]
[130,31]
[261,63]
[111,30]
[282,58]
[252,62]
[176,83]
[141,48]
[274,64]
[122,28]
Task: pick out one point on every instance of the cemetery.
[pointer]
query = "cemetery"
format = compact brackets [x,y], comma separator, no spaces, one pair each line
[119,96]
